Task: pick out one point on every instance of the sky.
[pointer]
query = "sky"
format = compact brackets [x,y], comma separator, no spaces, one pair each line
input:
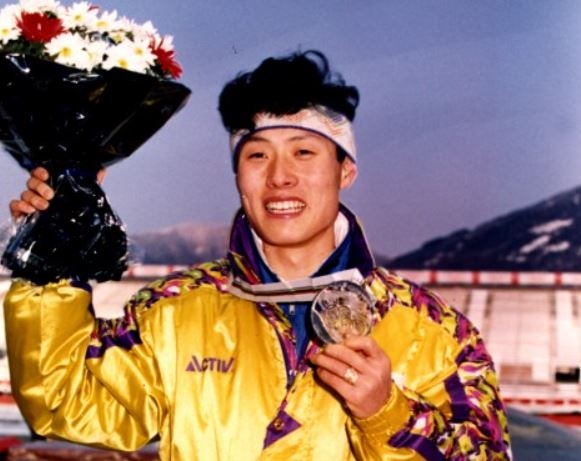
[470,109]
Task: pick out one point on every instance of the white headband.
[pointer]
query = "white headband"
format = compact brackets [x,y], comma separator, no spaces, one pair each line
[319,119]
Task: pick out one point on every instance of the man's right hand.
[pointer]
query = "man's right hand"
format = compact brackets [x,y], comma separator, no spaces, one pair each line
[38,193]
[35,197]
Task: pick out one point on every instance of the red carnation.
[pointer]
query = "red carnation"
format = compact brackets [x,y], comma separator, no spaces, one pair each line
[166,60]
[39,27]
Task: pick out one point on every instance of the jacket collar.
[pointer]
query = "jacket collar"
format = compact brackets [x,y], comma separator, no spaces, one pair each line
[351,254]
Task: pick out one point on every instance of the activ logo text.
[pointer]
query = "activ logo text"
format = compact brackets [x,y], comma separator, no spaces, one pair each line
[205,364]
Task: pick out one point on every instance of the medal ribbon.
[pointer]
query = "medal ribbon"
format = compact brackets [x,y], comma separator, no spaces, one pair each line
[294,291]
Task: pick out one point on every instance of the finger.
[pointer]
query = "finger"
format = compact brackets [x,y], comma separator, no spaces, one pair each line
[365,345]
[334,372]
[337,356]
[338,372]
[34,200]
[40,173]
[19,208]
[329,363]
[344,384]
[375,360]
[40,187]
[101,175]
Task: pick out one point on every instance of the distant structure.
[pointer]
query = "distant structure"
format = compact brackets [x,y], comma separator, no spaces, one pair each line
[531,323]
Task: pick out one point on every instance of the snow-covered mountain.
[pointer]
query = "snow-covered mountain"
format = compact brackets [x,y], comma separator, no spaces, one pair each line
[186,243]
[545,236]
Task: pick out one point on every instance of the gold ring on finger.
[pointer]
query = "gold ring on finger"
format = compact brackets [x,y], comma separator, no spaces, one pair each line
[351,376]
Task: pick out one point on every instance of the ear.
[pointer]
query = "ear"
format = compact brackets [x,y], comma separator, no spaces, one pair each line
[348,173]
[240,193]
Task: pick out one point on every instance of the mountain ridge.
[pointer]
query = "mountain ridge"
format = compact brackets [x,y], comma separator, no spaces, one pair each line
[543,236]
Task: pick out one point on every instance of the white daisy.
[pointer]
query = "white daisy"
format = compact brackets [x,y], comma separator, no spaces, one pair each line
[69,49]
[96,51]
[165,42]
[105,23]
[141,50]
[79,15]
[11,12]
[8,29]
[120,30]
[126,56]
[144,31]
[34,6]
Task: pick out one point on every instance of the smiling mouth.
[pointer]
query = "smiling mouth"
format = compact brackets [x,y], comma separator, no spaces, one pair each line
[287,206]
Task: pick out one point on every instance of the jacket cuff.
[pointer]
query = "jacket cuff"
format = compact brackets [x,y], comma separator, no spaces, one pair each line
[390,418]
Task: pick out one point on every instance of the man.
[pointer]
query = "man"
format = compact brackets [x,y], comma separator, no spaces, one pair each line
[223,361]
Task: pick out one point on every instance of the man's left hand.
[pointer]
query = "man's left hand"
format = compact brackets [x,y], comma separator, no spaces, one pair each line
[359,371]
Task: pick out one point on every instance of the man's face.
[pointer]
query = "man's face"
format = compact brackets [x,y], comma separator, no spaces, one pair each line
[289,181]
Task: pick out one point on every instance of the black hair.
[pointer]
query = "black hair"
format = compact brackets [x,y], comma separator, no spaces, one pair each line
[284,86]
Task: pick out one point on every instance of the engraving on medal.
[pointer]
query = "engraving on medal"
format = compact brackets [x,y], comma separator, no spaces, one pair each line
[339,310]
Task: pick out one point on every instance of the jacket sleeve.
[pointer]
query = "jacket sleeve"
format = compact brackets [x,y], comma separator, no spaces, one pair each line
[76,378]
[453,414]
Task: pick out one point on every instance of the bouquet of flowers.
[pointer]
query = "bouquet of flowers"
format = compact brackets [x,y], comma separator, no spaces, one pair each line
[84,37]
[80,89]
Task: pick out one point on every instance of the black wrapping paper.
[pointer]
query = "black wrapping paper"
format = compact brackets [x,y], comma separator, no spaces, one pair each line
[75,123]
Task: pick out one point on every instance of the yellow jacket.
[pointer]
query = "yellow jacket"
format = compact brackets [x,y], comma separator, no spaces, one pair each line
[173,368]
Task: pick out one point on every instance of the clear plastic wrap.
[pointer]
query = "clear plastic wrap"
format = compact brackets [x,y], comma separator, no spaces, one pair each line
[75,123]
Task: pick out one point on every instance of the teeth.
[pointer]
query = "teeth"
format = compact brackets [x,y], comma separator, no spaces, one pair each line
[285,207]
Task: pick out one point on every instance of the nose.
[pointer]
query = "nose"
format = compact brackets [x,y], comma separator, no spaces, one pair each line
[280,173]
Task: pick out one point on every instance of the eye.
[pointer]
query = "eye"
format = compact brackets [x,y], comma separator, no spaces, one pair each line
[305,152]
[254,155]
